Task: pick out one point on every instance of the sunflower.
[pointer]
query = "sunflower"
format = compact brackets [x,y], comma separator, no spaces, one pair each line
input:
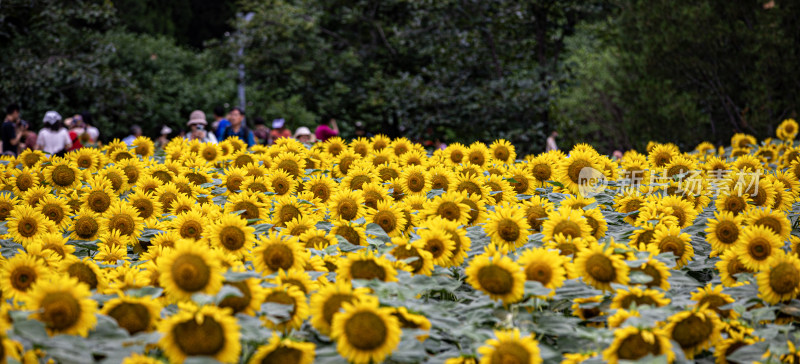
[365,332]
[439,243]
[206,331]
[23,179]
[63,305]
[85,271]
[55,209]
[471,184]
[98,195]
[669,238]
[35,194]
[729,267]
[633,343]
[599,267]
[134,314]
[657,271]
[189,268]
[61,174]
[623,299]
[662,154]
[713,298]
[756,244]
[317,239]
[25,224]
[500,190]
[7,204]
[232,235]
[275,252]
[569,169]
[477,208]
[510,347]
[284,351]
[547,267]
[458,234]
[123,217]
[86,225]
[596,221]
[502,151]
[780,280]
[723,231]
[728,346]
[733,203]
[347,205]
[367,266]
[388,216]
[775,220]
[288,208]
[354,233]
[507,225]
[57,243]
[694,330]
[182,204]
[30,158]
[278,181]
[567,222]
[131,169]
[147,204]
[290,295]
[449,205]
[783,197]
[327,302]
[498,276]
[248,203]
[620,316]
[19,273]
[414,180]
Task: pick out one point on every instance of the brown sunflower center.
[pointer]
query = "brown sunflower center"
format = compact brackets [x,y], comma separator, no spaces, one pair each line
[386,220]
[348,209]
[727,232]
[238,304]
[771,223]
[321,191]
[600,268]
[692,331]
[365,331]
[759,248]
[449,210]
[635,347]
[784,278]
[133,317]
[651,271]
[63,176]
[508,230]
[367,269]
[672,244]
[495,279]
[283,355]
[540,272]
[278,256]
[23,277]
[714,301]
[281,186]
[98,201]
[511,352]
[250,210]
[144,206]
[569,229]
[206,338]
[60,310]
[436,247]
[86,227]
[288,213]
[83,273]
[333,304]
[232,238]
[24,182]
[53,212]
[27,227]
[191,273]
[192,230]
[574,169]
[402,254]
[348,233]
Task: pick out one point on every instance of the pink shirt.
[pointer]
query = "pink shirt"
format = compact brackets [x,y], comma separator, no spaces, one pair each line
[323,132]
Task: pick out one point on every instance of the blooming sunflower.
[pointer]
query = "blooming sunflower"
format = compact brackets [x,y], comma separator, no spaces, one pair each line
[189,268]
[662,154]
[694,330]
[275,252]
[85,271]
[347,205]
[367,266]
[19,273]
[507,225]
[502,151]
[775,220]
[712,297]
[756,244]
[498,276]
[547,267]
[365,332]
[567,222]
[449,205]
[232,235]
[633,343]
[723,231]
[286,351]
[624,298]
[63,305]
[206,331]
[327,302]
[729,266]
[388,216]
[25,224]
[134,314]
[7,204]
[61,174]
[600,267]
[23,179]
[420,260]
[439,243]
[55,209]
[86,225]
[780,280]
[289,295]
[669,238]
[510,347]
[569,169]
[733,203]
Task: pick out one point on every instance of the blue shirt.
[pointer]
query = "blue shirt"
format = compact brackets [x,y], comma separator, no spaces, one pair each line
[228,132]
[224,123]
[129,139]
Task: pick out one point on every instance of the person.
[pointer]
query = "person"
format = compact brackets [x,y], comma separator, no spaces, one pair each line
[75,131]
[327,128]
[220,122]
[197,128]
[238,127]
[163,139]
[136,131]
[551,141]
[86,120]
[54,137]
[10,132]
[303,135]
[261,131]
[28,140]
[279,130]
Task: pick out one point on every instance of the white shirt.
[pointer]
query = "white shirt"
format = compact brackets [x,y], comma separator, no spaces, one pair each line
[53,141]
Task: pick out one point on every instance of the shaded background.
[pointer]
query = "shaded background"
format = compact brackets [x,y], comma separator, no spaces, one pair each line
[614,73]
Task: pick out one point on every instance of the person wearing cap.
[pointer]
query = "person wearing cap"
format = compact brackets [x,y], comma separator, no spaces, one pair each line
[303,135]
[54,137]
[197,128]
[279,130]
[163,139]
[238,128]
[327,128]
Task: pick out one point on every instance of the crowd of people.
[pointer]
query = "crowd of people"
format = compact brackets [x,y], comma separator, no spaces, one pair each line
[56,137]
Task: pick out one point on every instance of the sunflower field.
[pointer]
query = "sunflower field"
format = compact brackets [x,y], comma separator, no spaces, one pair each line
[374,251]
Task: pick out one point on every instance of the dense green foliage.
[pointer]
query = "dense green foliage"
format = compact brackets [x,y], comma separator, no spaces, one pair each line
[614,73]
